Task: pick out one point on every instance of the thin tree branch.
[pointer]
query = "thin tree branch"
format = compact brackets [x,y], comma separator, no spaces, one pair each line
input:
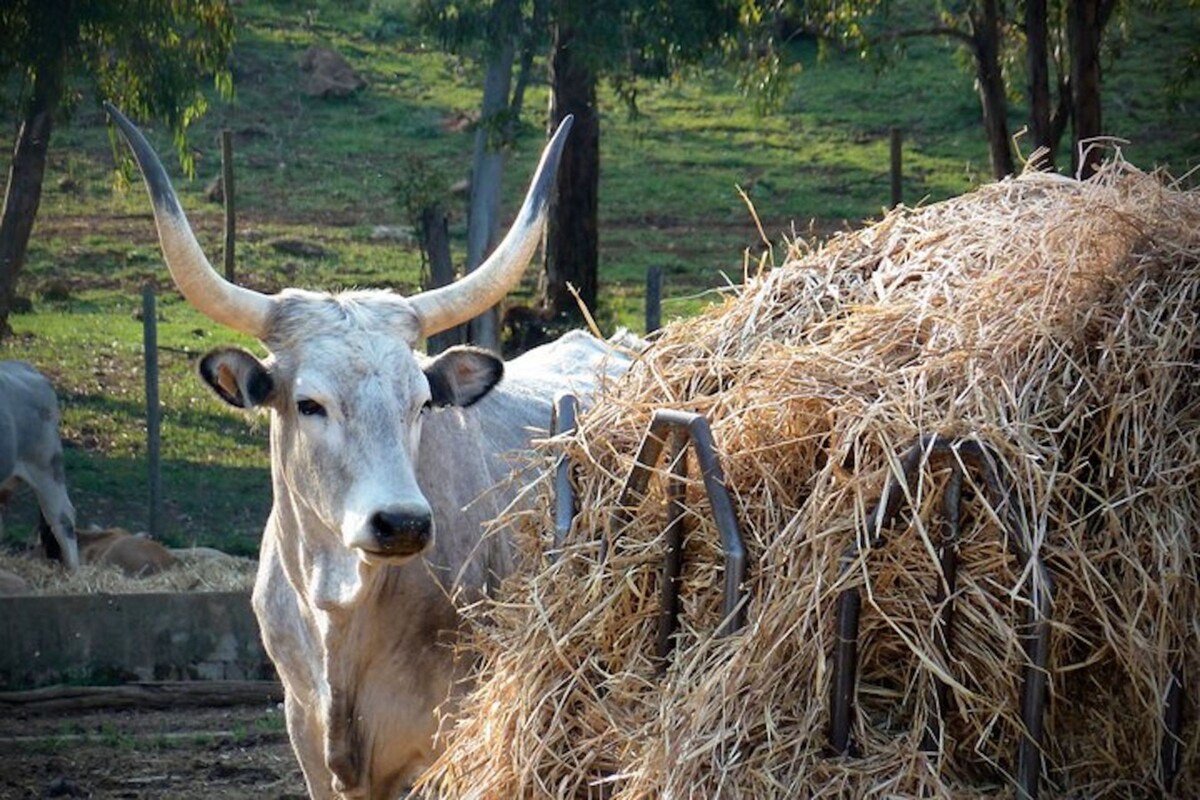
[934,30]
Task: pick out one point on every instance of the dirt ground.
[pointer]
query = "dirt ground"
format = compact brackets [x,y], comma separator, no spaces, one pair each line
[222,754]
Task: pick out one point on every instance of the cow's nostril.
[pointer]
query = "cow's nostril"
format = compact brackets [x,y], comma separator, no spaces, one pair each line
[401,531]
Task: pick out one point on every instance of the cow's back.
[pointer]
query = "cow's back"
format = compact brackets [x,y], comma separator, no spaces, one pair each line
[28,416]
[474,462]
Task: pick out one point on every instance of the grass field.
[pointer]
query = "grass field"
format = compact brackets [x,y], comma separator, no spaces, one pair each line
[325,173]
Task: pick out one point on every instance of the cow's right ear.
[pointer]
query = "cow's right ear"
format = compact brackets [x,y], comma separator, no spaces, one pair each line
[237,377]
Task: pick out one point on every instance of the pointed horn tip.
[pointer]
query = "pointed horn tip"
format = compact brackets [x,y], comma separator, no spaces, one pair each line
[115,115]
[556,145]
[129,131]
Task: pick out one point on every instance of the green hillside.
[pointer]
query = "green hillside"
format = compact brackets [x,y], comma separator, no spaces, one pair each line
[325,173]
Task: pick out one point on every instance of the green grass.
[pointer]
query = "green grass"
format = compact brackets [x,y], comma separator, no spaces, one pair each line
[327,172]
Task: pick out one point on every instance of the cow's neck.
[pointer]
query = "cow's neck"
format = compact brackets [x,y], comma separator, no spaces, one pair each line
[394,614]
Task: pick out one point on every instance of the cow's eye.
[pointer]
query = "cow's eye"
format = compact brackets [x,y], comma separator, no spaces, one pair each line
[310,408]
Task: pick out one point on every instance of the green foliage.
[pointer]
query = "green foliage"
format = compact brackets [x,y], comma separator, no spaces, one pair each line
[150,57]
[625,41]
[467,27]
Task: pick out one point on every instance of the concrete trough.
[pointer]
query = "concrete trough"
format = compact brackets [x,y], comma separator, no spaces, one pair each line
[113,638]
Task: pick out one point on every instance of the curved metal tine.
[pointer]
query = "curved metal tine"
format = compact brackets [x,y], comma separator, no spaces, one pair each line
[1036,634]
[944,597]
[668,615]
[1171,753]
[563,420]
[634,491]
[719,501]
[691,428]
[845,656]
[845,669]
[1033,692]
[1037,625]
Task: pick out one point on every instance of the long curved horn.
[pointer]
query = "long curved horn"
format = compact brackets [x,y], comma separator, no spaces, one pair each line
[479,290]
[241,309]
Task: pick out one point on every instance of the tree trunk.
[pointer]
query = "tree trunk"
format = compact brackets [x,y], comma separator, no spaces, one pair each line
[1062,113]
[529,47]
[572,240]
[25,175]
[1085,27]
[1037,54]
[435,239]
[491,143]
[985,40]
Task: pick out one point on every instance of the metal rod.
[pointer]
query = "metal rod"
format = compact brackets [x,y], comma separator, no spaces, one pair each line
[1033,694]
[153,412]
[668,615]
[634,490]
[897,170]
[693,428]
[230,207]
[563,420]
[1171,757]
[943,451]
[943,632]
[845,668]
[654,287]
[726,519]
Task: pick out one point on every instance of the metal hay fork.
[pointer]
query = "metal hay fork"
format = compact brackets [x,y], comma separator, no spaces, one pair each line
[958,455]
[680,429]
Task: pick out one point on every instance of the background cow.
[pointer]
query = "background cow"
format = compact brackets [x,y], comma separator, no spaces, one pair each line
[31,451]
[385,467]
[135,555]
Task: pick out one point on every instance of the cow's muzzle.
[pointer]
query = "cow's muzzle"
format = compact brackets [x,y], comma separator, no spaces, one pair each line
[401,531]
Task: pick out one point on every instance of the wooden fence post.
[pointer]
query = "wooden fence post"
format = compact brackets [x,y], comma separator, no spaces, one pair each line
[654,286]
[897,171]
[227,191]
[153,434]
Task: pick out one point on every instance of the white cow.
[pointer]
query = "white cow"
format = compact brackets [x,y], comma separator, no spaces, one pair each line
[378,456]
[31,451]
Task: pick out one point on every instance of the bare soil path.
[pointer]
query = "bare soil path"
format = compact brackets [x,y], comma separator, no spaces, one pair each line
[222,754]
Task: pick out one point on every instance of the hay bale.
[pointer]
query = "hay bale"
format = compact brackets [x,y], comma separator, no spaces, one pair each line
[1053,321]
[192,572]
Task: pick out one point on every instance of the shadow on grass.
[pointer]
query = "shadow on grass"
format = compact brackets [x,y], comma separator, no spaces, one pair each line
[204,427]
[204,504]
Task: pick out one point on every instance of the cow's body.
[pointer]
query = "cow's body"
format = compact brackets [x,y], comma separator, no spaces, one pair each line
[385,467]
[31,451]
[368,675]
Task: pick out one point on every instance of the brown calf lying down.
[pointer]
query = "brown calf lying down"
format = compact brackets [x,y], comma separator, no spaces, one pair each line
[136,556]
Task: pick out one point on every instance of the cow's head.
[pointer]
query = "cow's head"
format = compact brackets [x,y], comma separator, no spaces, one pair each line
[346,389]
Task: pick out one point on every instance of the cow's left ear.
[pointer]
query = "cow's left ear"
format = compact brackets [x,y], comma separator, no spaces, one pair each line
[462,375]
[237,377]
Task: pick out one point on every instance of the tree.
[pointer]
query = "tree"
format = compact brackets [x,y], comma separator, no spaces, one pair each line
[503,35]
[1074,30]
[572,257]
[978,26]
[623,42]
[1086,20]
[148,56]
[1067,34]
[1037,63]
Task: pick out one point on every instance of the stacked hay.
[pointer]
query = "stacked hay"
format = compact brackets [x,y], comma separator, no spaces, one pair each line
[1053,321]
[198,570]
